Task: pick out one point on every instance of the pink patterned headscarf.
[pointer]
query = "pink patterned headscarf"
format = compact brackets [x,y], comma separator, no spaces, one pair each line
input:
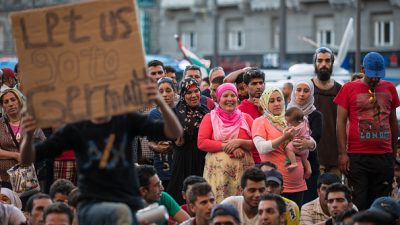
[226,125]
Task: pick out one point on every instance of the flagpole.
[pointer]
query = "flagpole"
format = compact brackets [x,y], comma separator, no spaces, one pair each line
[178,39]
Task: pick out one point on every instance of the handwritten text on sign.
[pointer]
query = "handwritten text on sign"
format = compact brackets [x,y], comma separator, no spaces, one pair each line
[80,61]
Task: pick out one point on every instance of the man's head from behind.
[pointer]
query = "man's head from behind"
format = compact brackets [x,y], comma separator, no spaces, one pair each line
[373,218]
[323,63]
[201,200]
[271,210]
[225,214]
[338,198]
[60,190]
[35,207]
[386,205]
[58,214]
[374,68]
[253,185]
[324,180]
[150,185]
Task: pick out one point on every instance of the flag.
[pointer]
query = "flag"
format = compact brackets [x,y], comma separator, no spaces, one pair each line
[192,58]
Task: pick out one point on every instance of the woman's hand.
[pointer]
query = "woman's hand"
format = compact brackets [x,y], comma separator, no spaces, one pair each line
[303,144]
[288,133]
[231,145]
[238,153]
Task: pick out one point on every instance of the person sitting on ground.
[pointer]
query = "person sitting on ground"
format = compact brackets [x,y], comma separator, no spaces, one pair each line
[372,218]
[317,211]
[296,119]
[225,214]
[187,186]
[338,197]
[386,205]
[346,217]
[60,190]
[35,207]
[271,210]
[152,191]
[58,213]
[252,186]
[202,201]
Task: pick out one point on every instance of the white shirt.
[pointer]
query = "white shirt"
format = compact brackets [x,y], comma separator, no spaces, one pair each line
[237,202]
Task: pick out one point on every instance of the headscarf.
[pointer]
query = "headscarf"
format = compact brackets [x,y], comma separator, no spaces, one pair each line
[15,200]
[264,100]
[226,125]
[308,106]
[190,118]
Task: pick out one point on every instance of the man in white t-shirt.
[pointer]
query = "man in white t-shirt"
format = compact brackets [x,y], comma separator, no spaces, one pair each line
[252,185]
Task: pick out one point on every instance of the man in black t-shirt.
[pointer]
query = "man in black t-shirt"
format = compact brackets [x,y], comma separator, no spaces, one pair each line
[107,178]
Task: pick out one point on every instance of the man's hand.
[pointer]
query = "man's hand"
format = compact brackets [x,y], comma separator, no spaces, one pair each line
[150,89]
[344,163]
[28,125]
[160,147]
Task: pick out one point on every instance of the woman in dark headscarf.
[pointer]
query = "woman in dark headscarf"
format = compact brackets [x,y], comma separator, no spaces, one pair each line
[188,160]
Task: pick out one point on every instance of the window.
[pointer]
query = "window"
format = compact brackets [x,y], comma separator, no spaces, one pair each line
[383,30]
[236,35]
[325,32]
[189,39]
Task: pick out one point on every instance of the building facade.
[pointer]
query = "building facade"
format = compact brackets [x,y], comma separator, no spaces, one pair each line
[248,30]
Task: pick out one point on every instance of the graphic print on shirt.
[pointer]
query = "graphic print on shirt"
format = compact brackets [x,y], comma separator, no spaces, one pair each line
[111,154]
[373,109]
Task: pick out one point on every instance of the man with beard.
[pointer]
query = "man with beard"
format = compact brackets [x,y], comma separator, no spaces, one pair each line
[252,185]
[367,151]
[325,90]
[254,80]
[338,198]
[271,210]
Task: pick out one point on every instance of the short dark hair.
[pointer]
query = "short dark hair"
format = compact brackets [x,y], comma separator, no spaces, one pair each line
[191,180]
[199,189]
[206,79]
[290,84]
[144,173]
[345,214]
[239,78]
[374,217]
[294,113]
[323,50]
[169,69]
[218,80]
[191,67]
[29,203]
[253,73]
[338,187]
[62,186]
[155,63]
[266,163]
[253,174]
[73,197]
[328,179]
[278,199]
[59,208]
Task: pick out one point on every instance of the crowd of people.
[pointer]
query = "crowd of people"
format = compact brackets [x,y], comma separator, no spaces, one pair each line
[219,150]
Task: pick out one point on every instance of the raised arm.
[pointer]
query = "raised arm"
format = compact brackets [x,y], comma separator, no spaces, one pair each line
[232,76]
[27,151]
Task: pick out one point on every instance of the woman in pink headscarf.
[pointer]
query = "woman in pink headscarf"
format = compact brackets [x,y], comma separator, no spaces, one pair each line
[225,134]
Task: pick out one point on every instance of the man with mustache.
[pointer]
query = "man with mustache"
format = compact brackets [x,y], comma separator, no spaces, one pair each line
[325,90]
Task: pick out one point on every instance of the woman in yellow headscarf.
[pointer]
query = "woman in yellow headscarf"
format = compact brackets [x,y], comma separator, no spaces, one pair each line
[270,135]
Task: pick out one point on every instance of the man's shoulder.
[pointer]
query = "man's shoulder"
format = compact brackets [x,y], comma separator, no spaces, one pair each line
[310,205]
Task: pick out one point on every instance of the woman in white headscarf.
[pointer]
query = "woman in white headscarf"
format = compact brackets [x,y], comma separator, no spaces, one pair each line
[303,97]
[7,196]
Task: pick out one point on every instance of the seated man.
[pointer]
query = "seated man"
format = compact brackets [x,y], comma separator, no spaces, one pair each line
[317,211]
[202,201]
[60,190]
[151,190]
[271,210]
[187,186]
[58,213]
[252,185]
[225,214]
[338,198]
[275,186]
[35,207]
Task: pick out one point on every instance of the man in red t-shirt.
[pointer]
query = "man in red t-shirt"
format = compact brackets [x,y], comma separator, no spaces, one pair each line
[254,80]
[368,149]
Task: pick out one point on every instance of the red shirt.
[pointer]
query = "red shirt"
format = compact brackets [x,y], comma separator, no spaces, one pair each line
[369,126]
[248,107]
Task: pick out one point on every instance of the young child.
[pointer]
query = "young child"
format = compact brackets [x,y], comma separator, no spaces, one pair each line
[295,118]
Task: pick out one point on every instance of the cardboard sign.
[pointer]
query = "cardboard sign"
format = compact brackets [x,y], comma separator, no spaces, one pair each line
[80,61]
